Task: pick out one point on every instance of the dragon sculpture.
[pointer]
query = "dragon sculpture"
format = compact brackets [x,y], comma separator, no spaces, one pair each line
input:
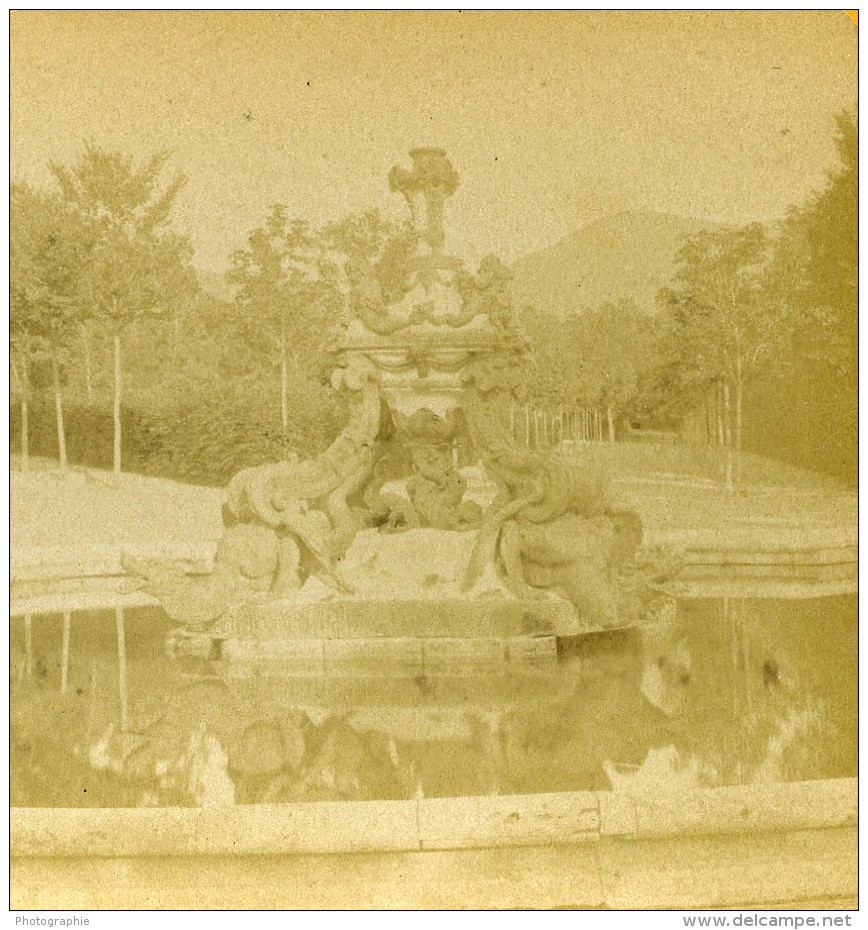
[552,529]
[283,522]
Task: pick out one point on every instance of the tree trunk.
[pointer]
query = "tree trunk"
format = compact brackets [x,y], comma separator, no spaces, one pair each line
[58,408]
[88,379]
[25,438]
[611,422]
[28,645]
[709,418]
[122,667]
[64,652]
[117,406]
[284,376]
[727,417]
[24,387]
[739,391]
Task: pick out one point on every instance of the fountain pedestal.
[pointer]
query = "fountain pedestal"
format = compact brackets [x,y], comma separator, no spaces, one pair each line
[406,617]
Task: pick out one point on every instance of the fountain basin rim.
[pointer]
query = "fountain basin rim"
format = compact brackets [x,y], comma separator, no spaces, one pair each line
[432,823]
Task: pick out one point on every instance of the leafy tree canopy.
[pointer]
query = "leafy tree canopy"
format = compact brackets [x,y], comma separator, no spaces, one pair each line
[46,255]
[816,262]
[135,264]
[287,300]
[717,322]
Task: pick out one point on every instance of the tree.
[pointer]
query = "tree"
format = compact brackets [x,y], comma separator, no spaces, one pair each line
[555,370]
[47,252]
[135,264]
[814,274]
[616,348]
[287,300]
[720,325]
[594,358]
[23,296]
[820,244]
[666,390]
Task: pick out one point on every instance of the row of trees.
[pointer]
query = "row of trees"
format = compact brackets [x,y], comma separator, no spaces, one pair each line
[102,286]
[759,307]
[597,359]
[96,261]
[98,252]
[747,307]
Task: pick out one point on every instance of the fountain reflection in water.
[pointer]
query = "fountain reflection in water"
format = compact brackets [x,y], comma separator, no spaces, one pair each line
[737,692]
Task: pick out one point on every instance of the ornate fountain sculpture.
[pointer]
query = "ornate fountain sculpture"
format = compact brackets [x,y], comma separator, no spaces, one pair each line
[309,552]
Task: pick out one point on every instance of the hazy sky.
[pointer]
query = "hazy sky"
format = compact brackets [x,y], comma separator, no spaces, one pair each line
[552,119]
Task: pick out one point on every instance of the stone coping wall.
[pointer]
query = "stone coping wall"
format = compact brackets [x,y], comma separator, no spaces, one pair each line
[433,823]
[771,846]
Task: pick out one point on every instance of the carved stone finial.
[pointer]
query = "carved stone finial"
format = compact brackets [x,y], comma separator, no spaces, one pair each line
[425,188]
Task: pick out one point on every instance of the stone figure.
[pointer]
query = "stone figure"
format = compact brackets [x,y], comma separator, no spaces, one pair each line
[487,292]
[366,299]
[551,530]
[426,187]
[418,453]
[246,562]
[436,489]
[284,521]
[435,486]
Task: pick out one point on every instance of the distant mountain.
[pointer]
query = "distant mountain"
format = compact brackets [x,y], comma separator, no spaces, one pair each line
[626,255]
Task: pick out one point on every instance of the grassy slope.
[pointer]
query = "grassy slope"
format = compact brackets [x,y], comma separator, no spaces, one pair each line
[668,484]
[87,508]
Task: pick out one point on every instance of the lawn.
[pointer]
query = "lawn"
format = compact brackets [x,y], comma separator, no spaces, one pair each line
[672,486]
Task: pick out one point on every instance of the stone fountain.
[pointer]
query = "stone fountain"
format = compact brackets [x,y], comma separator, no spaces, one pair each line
[382,555]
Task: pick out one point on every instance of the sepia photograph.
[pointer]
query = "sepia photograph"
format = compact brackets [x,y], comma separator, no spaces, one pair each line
[433,460]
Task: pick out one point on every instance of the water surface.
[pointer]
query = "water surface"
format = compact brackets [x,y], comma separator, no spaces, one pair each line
[735,692]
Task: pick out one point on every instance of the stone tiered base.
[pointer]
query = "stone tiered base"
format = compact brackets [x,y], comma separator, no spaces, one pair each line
[401,658]
[409,637]
[407,618]
[399,617]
